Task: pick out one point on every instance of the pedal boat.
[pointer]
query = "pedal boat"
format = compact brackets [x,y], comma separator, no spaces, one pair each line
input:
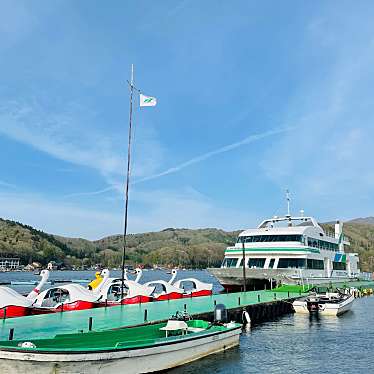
[141,349]
[329,303]
[164,290]
[133,293]
[13,304]
[198,288]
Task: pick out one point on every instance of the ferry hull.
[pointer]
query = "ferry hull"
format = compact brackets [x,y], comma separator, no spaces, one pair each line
[232,278]
[134,361]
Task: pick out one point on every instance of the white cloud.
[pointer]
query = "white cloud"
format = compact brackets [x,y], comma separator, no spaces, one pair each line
[58,218]
[148,211]
[69,136]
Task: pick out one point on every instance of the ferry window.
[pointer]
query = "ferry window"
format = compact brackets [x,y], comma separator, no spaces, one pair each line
[298,263]
[271,263]
[229,262]
[256,262]
[270,238]
[315,264]
[338,265]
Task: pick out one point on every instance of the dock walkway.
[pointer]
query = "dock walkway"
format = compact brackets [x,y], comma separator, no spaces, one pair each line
[48,325]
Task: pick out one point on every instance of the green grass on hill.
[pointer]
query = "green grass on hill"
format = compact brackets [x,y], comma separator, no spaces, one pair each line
[170,247]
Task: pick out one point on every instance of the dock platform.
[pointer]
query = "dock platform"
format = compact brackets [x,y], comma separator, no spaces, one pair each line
[48,325]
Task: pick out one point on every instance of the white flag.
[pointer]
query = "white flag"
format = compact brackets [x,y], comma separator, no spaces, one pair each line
[147,100]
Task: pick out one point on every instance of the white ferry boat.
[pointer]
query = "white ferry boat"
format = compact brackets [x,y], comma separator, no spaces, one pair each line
[287,250]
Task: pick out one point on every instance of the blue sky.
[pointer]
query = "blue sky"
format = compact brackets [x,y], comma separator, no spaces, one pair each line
[253,98]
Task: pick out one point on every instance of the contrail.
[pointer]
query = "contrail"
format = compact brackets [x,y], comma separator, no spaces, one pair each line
[194,160]
[203,157]
[91,193]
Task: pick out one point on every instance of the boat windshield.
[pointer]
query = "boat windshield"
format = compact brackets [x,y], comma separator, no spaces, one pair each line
[114,292]
[55,296]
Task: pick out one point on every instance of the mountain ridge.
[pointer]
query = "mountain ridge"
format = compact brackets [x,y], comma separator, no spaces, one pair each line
[169,247]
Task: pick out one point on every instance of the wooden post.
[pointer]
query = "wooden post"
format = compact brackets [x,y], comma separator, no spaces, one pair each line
[145,315]
[90,324]
[238,300]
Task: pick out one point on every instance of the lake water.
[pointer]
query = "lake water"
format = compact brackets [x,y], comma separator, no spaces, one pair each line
[291,344]
[300,344]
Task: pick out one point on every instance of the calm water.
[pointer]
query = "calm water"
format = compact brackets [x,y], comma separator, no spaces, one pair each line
[291,344]
[300,344]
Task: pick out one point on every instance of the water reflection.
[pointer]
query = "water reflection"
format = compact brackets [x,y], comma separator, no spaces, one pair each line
[300,344]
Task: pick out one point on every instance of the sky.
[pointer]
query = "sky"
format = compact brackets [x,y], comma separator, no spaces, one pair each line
[253,98]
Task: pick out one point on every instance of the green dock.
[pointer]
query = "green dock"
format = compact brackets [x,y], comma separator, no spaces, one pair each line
[48,325]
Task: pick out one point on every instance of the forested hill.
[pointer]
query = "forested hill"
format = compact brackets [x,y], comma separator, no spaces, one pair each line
[169,247]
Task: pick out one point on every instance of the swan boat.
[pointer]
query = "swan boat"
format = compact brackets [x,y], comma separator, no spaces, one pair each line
[69,297]
[13,304]
[141,349]
[292,250]
[328,303]
[133,291]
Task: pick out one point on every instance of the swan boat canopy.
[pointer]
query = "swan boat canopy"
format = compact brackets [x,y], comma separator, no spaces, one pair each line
[288,250]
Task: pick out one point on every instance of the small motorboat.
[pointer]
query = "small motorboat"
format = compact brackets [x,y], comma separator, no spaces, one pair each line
[68,297]
[13,304]
[327,303]
[192,287]
[134,350]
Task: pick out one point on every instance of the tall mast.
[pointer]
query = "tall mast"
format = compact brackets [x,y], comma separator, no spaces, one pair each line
[127,181]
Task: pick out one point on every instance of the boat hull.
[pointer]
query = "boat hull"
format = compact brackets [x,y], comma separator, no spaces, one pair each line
[12,311]
[126,301]
[169,296]
[198,293]
[130,361]
[68,307]
[232,278]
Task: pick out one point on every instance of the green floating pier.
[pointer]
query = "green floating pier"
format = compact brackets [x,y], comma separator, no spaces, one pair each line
[48,325]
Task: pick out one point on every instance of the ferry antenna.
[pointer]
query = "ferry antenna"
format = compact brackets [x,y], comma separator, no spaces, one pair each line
[288,202]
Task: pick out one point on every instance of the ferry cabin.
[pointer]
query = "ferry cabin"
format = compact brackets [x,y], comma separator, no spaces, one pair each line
[300,245]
